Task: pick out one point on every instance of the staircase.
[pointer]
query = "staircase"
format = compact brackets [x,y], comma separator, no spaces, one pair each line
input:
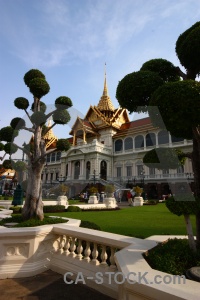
[116,184]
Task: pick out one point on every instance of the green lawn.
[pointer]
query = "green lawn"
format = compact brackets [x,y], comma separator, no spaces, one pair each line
[142,221]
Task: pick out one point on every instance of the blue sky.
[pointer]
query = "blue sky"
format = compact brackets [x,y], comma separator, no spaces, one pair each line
[70,41]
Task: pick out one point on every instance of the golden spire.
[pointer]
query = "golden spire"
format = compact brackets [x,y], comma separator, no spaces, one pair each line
[105,89]
[49,135]
[105,103]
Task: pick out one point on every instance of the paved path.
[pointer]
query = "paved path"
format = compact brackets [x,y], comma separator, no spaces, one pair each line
[46,286]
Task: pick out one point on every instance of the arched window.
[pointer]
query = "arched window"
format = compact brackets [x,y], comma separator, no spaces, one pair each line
[150,139]
[103,170]
[128,143]
[77,170]
[139,141]
[176,139]
[163,137]
[87,169]
[118,145]
[66,170]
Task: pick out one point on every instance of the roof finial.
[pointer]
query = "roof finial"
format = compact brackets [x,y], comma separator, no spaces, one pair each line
[105,90]
[105,104]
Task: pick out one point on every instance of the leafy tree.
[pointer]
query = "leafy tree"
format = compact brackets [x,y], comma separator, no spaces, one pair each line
[36,150]
[174,102]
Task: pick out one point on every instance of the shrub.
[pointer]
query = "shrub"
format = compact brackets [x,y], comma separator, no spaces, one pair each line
[150,202]
[93,190]
[138,190]
[53,208]
[91,225]
[173,257]
[16,209]
[73,208]
[60,189]
[109,188]
[6,198]
[32,222]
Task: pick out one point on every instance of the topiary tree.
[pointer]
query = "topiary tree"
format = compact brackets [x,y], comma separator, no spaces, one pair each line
[36,150]
[173,104]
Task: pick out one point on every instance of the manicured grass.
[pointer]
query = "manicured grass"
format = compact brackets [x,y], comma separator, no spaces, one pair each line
[139,222]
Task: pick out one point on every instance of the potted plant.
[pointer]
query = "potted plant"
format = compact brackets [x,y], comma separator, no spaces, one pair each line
[138,200]
[138,191]
[93,190]
[60,190]
[109,190]
[93,198]
[109,200]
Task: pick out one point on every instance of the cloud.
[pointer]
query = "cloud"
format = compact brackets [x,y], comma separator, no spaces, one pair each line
[64,32]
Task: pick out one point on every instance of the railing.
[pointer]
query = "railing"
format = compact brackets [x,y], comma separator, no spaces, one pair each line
[95,253]
[89,252]
[80,251]
[116,184]
[136,179]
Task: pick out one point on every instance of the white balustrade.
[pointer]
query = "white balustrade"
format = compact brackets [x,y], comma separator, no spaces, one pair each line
[94,253]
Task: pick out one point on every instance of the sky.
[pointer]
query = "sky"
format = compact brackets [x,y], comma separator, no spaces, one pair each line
[70,42]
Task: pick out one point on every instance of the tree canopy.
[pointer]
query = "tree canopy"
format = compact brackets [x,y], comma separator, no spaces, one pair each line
[172,98]
[35,150]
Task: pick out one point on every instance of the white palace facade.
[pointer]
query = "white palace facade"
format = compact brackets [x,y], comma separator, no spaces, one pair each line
[106,147]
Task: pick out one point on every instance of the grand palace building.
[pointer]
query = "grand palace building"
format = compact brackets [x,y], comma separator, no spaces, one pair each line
[106,147]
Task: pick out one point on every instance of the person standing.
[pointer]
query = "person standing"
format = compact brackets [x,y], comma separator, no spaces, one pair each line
[129,197]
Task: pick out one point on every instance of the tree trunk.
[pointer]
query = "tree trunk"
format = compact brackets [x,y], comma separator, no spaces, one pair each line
[196,170]
[191,239]
[33,207]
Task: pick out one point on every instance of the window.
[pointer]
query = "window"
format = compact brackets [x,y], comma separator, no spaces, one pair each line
[118,145]
[119,171]
[152,172]
[53,157]
[150,139]
[58,155]
[163,137]
[66,170]
[87,169]
[77,170]
[177,139]
[128,143]
[48,158]
[139,141]
[165,172]
[180,171]
[139,170]
[129,171]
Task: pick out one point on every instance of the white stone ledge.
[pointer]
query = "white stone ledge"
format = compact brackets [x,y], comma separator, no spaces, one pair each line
[130,259]
[102,237]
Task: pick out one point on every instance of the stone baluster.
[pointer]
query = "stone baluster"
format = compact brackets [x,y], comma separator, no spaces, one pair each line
[61,244]
[79,250]
[66,245]
[73,247]
[95,255]
[104,257]
[112,259]
[87,252]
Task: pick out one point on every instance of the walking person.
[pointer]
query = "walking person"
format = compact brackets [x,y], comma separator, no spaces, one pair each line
[129,197]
